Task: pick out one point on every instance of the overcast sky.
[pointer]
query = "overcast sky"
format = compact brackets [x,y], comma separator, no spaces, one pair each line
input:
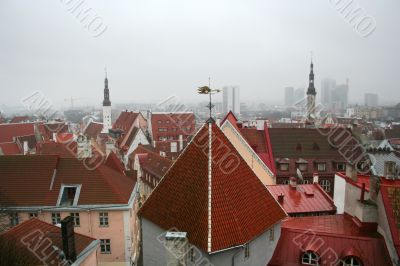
[154,49]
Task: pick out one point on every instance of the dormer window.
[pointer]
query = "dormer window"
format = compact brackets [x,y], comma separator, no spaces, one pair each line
[309,258]
[321,167]
[69,195]
[390,169]
[284,167]
[351,261]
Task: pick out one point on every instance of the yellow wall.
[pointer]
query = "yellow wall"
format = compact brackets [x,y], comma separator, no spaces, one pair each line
[248,154]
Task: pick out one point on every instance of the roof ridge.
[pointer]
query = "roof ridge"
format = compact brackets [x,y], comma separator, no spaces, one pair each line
[209,202]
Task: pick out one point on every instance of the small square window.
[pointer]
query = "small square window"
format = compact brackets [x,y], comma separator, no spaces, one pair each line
[321,167]
[75,216]
[33,215]
[103,217]
[303,167]
[284,166]
[14,219]
[55,218]
[105,246]
[341,167]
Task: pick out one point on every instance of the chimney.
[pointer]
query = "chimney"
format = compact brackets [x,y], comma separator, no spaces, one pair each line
[351,172]
[280,198]
[68,238]
[293,182]
[180,142]
[315,178]
[177,245]
[25,147]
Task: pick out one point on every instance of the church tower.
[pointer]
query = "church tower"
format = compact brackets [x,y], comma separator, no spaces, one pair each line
[106,107]
[311,93]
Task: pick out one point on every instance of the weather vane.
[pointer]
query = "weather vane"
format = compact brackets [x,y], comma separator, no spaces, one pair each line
[209,91]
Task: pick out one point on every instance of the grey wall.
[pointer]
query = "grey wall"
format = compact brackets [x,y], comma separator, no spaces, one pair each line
[261,249]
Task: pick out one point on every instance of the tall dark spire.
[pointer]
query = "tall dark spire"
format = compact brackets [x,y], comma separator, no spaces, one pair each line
[311,88]
[106,101]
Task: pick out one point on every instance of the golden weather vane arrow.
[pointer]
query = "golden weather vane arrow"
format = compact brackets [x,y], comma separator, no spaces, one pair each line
[209,91]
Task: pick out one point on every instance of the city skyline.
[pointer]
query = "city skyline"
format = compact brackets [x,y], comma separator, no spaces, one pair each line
[251,47]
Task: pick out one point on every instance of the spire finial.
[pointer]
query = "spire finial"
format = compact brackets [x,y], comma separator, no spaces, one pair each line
[209,91]
[105,71]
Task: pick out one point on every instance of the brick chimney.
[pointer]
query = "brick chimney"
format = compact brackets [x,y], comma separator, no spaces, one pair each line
[281,198]
[68,238]
[351,172]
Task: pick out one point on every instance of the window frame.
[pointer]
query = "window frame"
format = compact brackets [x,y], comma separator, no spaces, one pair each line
[323,169]
[104,243]
[104,220]
[311,257]
[76,217]
[325,183]
[55,216]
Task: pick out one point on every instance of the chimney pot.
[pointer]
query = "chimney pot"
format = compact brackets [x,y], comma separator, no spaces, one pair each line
[280,198]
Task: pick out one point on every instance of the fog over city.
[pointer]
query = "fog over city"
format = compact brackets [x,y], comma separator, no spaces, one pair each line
[153,49]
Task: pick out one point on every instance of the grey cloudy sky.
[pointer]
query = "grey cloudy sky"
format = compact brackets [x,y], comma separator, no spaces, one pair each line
[156,48]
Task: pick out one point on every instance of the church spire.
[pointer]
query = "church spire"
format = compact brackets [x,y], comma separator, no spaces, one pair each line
[311,88]
[106,101]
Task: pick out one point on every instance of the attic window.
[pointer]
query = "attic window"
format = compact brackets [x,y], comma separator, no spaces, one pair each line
[69,195]
[309,258]
[351,261]
[284,167]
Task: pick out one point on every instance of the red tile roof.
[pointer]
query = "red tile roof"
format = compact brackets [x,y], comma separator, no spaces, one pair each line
[9,148]
[93,129]
[31,231]
[56,148]
[47,129]
[9,131]
[241,206]
[19,174]
[20,119]
[328,236]
[125,120]
[303,143]
[175,124]
[305,198]
[391,200]
[31,139]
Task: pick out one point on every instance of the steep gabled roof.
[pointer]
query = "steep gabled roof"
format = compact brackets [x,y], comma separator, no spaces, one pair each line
[241,207]
[10,131]
[102,185]
[125,120]
[93,129]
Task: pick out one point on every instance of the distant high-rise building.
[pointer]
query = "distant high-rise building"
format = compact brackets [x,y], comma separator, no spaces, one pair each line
[298,95]
[339,97]
[231,100]
[327,86]
[311,93]
[106,108]
[289,96]
[371,99]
